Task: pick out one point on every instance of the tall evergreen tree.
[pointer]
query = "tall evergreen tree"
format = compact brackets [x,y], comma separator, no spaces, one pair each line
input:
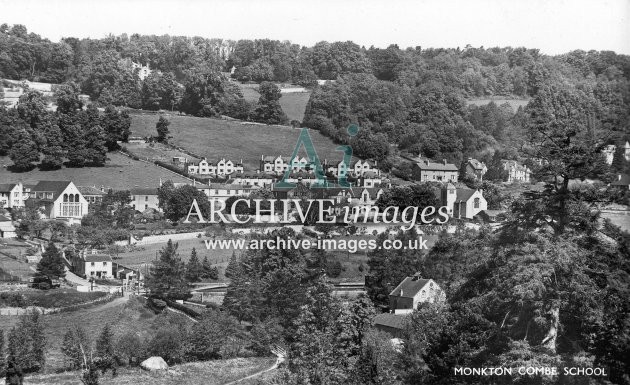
[27,343]
[51,264]
[232,267]
[105,352]
[167,277]
[194,269]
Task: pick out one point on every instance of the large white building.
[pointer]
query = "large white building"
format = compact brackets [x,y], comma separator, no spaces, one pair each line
[59,200]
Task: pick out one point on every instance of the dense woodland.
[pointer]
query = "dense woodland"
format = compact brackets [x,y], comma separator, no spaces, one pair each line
[550,287]
[413,98]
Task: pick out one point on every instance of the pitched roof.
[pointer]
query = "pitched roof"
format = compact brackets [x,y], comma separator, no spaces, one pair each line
[409,287]
[97,258]
[6,187]
[4,219]
[477,165]
[464,194]
[89,190]
[396,321]
[143,191]
[426,164]
[54,186]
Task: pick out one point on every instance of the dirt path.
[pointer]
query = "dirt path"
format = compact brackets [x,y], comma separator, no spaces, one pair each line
[279,360]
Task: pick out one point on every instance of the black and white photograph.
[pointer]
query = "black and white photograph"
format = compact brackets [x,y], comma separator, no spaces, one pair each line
[300,192]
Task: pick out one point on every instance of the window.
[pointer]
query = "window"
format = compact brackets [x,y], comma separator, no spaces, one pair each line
[146,198]
[476,203]
[91,263]
[104,263]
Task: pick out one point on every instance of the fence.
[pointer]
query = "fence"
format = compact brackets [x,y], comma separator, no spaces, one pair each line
[17,311]
[150,239]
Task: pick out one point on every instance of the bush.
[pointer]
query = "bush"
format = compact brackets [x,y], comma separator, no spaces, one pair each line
[334,269]
[168,343]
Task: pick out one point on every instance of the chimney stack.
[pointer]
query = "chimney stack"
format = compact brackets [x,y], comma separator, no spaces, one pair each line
[444,160]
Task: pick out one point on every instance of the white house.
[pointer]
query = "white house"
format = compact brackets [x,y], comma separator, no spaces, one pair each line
[475,168]
[222,192]
[7,230]
[412,291]
[517,172]
[92,264]
[12,195]
[270,164]
[463,202]
[59,200]
[145,198]
[358,169]
[222,167]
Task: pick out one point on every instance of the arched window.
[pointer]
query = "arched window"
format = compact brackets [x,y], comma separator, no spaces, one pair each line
[476,203]
[65,197]
[76,198]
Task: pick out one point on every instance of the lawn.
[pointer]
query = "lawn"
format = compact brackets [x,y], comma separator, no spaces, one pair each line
[293,103]
[147,253]
[155,151]
[120,172]
[16,268]
[194,373]
[215,138]
[129,316]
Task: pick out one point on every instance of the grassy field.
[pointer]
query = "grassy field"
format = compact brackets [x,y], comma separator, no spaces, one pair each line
[195,373]
[214,138]
[293,103]
[120,172]
[124,317]
[515,103]
[147,253]
[155,151]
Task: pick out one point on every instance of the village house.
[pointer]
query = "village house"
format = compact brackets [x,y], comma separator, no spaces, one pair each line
[145,198]
[12,195]
[463,202]
[357,170]
[609,152]
[222,191]
[58,200]
[425,170]
[92,264]
[270,164]
[475,168]
[7,230]
[517,172]
[258,179]
[143,71]
[92,195]
[406,298]
[221,168]
[622,182]
[370,179]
